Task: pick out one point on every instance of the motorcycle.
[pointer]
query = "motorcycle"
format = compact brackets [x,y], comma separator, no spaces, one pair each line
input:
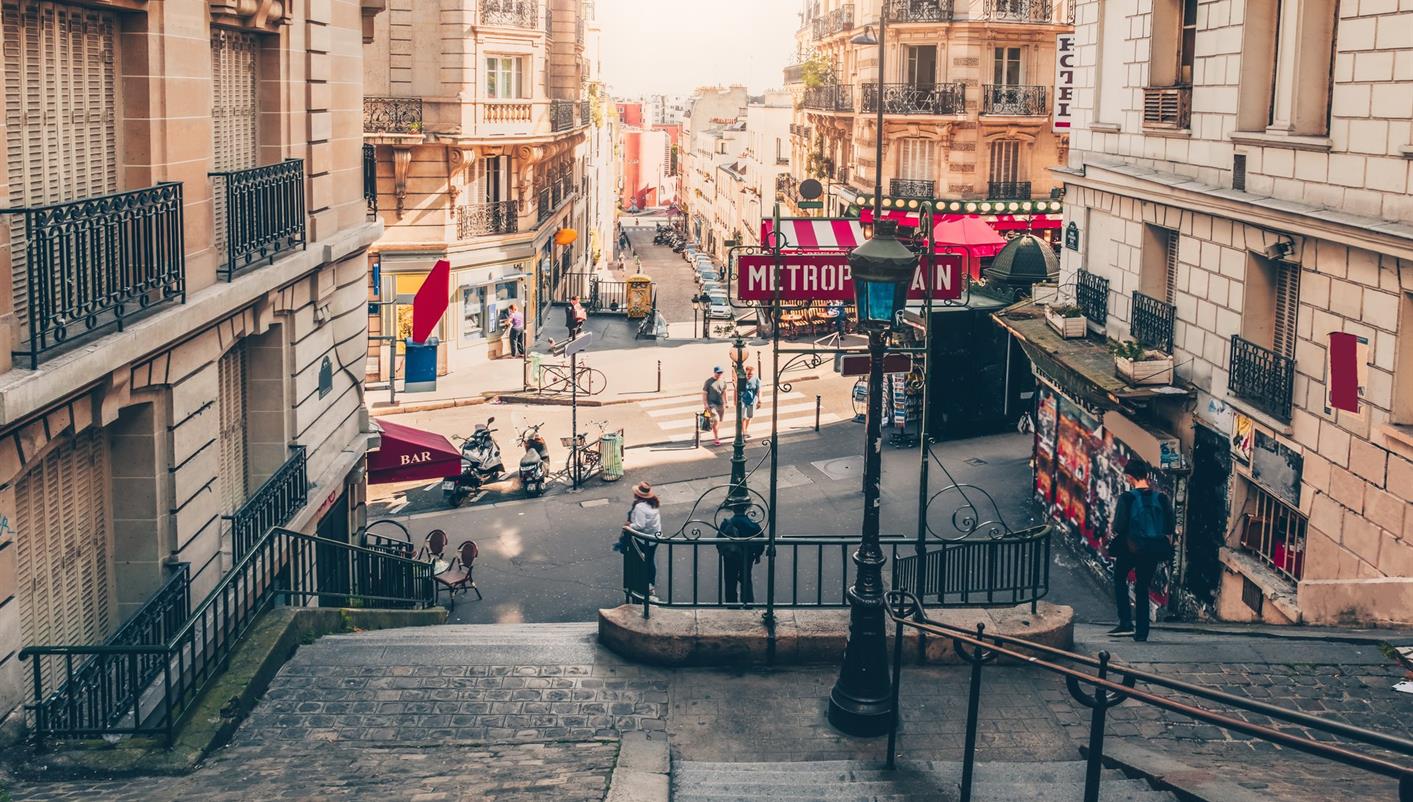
[480,464]
[534,470]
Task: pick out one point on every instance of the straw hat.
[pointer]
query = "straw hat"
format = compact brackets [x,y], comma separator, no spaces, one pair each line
[643,490]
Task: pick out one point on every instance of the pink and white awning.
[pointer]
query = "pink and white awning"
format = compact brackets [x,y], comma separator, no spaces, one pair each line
[816,234]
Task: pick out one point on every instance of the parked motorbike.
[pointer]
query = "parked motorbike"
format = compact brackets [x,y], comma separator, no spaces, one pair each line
[534,465]
[480,464]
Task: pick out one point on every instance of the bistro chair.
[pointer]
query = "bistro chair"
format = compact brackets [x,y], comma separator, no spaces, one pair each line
[458,577]
[434,546]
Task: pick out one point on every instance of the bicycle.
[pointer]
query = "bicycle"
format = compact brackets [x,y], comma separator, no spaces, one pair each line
[557,379]
[584,454]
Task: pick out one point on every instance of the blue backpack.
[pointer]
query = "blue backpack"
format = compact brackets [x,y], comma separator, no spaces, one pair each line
[1146,517]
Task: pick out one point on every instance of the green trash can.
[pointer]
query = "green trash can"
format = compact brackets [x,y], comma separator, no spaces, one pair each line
[611,456]
[533,381]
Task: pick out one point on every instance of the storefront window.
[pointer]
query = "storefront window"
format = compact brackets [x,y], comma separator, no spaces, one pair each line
[473,313]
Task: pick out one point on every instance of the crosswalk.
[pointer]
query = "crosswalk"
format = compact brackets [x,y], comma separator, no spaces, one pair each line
[676,416]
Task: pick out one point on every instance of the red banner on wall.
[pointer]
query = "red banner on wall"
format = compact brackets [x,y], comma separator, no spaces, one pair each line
[827,277]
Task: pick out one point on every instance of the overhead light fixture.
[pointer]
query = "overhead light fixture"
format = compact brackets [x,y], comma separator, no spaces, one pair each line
[865,38]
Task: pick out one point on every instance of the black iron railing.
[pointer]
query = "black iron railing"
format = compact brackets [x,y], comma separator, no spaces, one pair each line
[1008,190]
[787,185]
[1262,377]
[912,188]
[92,264]
[948,98]
[392,115]
[981,571]
[608,296]
[1110,684]
[1019,10]
[264,213]
[1153,322]
[830,97]
[1092,296]
[837,21]
[586,113]
[1014,100]
[481,219]
[283,494]
[511,13]
[370,178]
[281,567]
[919,10]
[561,115]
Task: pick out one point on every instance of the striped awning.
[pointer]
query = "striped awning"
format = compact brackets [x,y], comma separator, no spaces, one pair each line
[816,233]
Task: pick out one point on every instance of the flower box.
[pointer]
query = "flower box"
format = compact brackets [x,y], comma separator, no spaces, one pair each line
[1067,327]
[1045,293]
[1151,369]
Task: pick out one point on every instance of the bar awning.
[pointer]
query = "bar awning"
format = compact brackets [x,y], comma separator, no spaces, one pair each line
[411,455]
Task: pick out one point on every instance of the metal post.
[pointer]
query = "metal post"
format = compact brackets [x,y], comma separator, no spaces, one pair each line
[659,375]
[775,240]
[574,415]
[925,452]
[1095,762]
[977,658]
[897,685]
[738,498]
[817,404]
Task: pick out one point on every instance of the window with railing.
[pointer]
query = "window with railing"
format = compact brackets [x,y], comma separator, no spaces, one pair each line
[1167,107]
[264,213]
[561,115]
[1261,377]
[1152,323]
[1008,190]
[482,219]
[392,115]
[1014,100]
[919,10]
[1018,10]
[510,13]
[1273,532]
[370,178]
[946,98]
[1092,296]
[912,188]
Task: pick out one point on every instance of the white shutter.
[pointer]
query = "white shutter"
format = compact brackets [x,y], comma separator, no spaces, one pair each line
[915,160]
[62,540]
[1005,160]
[230,403]
[234,115]
[60,113]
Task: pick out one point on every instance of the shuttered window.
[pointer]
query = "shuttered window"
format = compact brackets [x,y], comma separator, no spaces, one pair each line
[60,113]
[234,113]
[230,404]
[1170,266]
[1287,303]
[1005,160]
[61,526]
[915,159]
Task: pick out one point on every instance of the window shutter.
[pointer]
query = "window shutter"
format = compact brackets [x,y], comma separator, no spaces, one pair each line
[1005,160]
[915,159]
[60,114]
[1287,303]
[1171,266]
[231,417]
[234,115]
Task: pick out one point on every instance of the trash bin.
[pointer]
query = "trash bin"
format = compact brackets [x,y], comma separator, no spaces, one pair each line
[534,379]
[611,456]
[420,366]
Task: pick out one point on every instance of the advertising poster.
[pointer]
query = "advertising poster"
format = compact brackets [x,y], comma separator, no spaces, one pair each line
[1243,437]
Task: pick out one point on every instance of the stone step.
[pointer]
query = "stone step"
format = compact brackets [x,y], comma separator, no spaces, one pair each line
[1111,790]
[845,770]
[470,634]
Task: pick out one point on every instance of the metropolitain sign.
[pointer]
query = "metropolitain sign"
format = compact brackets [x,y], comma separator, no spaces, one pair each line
[826,277]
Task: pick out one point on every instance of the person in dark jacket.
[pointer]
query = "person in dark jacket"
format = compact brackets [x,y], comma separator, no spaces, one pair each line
[738,557]
[1143,527]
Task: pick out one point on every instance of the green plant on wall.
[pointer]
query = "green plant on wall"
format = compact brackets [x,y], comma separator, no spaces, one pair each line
[817,70]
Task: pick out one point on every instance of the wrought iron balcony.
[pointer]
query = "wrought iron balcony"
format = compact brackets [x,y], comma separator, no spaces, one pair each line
[1262,377]
[392,115]
[1167,107]
[1008,190]
[264,211]
[919,10]
[561,115]
[482,219]
[370,178]
[787,185]
[586,112]
[837,21]
[949,98]
[91,264]
[1019,10]
[911,188]
[1014,100]
[830,97]
[511,13]
[1092,296]
[277,500]
[1152,323]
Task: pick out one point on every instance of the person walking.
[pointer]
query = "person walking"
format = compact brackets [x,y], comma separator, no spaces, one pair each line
[517,331]
[739,556]
[1143,526]
[574,317]
[750,394]
[714,402]
[644,518]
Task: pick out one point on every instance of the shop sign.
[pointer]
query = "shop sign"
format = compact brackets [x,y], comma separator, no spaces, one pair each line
[1072,236]
[826,277]
[1277,468]
[1065,57]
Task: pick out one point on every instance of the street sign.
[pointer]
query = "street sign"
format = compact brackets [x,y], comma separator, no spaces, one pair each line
[857,364]
[810,189]
[827,277]
[810,204]
[578,344]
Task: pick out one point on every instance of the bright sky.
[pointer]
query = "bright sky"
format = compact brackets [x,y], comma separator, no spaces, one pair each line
[673,46]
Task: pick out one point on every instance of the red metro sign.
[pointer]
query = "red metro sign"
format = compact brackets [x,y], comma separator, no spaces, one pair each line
[826,277]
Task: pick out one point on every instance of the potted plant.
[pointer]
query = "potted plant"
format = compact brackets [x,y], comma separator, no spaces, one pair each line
[1067,319]
[1138,365]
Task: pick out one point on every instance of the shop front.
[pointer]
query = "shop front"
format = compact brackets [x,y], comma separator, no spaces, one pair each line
[479,322]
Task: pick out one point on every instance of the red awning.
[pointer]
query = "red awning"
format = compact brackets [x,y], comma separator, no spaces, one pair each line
[410,455]
[816,233]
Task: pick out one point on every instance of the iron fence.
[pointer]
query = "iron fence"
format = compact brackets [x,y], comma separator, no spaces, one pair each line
[482,219]
[1274,533]
[945,98]
[392,115]
[1262,377]
[980,572]
[912,188]
[1092,296]
[92,264]
[264,213]
[1019,10]
[1015,100]
[278,498]
[1153,322]
[370,178]
[561,115]
[511,13]
[919,10]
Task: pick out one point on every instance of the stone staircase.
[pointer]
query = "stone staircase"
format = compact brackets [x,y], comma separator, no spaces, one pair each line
[857,781]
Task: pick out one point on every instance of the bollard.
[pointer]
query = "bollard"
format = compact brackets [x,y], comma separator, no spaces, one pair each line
[659,375]
[816,413]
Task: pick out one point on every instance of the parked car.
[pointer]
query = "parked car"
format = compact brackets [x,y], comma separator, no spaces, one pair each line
[718,308]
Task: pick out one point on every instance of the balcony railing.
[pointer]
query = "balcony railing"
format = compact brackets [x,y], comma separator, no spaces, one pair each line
[949,98]
[561,115]
[482,219]
[1274,533]
[370,178]
[264,213]
[801,130]
[1019,10]
[278,498]
[91,264]
[787,185]
[1167,107]
[1262,377]
[919,10]
[1153,322]
[837,21]
[1092,296]
[392,115]
[586,112]
[1014,100]
[511,13]
[830,97]
[911,188]
[1008,190]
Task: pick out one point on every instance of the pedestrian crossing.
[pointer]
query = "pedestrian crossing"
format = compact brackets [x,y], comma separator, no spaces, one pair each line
[676,416]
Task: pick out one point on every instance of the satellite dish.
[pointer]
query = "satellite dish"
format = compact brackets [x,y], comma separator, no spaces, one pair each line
[810,189]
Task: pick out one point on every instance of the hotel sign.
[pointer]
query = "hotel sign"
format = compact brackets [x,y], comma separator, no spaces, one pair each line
[1065,59]
[826,277]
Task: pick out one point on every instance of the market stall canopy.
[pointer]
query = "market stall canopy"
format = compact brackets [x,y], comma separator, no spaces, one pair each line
[969,233]
[410,455]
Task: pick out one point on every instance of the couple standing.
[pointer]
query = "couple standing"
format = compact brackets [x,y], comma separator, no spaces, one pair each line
[714,401]
[738,555]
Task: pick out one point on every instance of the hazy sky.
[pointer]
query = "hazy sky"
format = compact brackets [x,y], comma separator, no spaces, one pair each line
[673,46]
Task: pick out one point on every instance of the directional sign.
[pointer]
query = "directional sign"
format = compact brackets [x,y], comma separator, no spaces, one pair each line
[578,344]
[857,364]
[827,277]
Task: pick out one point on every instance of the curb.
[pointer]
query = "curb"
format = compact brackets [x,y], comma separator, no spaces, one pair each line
[1167,774]
[641,773]
[1296,632]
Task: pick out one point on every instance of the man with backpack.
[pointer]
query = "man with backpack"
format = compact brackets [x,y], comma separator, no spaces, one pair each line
[1143,526]
[739,556]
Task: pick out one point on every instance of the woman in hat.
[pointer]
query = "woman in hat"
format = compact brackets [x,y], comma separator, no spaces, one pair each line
[644,518]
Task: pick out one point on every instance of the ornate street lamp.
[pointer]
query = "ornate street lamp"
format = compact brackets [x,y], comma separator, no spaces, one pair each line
[739,497]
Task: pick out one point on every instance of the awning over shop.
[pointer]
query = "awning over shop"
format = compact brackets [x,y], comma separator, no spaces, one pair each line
[410,455]
[816,233]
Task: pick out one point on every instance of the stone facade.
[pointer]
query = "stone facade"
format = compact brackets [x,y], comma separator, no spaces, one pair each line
[712,138]
[1268,208]
[125,449]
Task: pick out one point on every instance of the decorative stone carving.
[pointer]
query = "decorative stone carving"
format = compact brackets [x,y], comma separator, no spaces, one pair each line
[264,15]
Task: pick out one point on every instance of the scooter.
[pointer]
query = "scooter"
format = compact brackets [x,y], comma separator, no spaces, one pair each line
[480,463]
[534,470]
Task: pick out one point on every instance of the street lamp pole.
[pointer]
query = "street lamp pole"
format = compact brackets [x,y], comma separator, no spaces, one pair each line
[739,497]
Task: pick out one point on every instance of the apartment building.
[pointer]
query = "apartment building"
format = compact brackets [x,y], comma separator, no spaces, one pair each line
[182,303]
[1237,198]
[755,168]
[476,117]
[712,136]
[968,94]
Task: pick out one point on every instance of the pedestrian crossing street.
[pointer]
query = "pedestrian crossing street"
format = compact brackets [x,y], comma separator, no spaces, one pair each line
[676,416]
